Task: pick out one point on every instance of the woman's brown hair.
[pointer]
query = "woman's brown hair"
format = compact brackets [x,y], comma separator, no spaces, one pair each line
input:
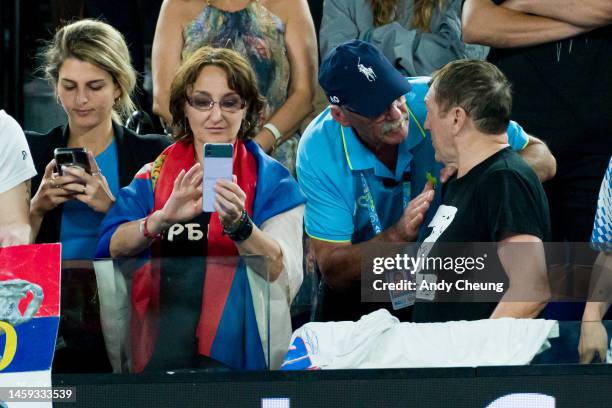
[385,12]
[240,78]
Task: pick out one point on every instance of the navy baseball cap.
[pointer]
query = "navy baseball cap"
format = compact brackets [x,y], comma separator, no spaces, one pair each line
[357,75]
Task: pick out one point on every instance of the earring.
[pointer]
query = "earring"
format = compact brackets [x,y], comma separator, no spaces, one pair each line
[185,126]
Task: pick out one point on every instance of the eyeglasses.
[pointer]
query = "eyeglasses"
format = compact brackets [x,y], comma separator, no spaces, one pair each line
[230,104]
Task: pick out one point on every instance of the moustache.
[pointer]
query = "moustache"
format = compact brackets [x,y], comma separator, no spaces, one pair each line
[391,126]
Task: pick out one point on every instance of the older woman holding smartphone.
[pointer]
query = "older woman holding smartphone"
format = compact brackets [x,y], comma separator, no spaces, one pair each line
[277,37]
[88,65]
[214,99]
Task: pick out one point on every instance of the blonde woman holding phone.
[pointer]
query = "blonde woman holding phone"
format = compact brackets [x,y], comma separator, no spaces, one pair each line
[88,65]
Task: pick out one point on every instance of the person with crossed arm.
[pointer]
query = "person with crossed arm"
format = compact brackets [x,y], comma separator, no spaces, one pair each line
[557,55]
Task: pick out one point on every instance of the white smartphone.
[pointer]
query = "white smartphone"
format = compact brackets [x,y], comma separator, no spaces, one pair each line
[218,164]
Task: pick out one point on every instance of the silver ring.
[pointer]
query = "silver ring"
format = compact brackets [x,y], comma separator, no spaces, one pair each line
[97,173]
[84,189]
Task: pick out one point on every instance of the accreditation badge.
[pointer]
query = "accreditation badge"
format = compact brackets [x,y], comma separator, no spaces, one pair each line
[403,294]
[424,283]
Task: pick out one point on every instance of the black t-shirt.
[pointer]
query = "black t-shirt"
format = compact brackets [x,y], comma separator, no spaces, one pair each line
[182,272]
[563,94]
[501,195]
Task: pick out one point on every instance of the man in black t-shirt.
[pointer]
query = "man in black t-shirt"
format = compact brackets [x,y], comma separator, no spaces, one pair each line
[494,197]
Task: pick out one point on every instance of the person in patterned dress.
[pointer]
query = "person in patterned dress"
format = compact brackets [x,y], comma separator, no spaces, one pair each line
[276,37]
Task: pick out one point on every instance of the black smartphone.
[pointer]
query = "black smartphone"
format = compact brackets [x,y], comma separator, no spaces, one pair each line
[71,156]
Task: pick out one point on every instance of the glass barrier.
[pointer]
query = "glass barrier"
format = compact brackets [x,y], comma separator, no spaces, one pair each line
[564,348]
[181,313]
[450,290]
[220,314]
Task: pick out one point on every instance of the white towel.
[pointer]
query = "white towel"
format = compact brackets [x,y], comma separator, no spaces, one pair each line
[379,340]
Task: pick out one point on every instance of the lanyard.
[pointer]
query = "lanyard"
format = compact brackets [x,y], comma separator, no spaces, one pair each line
[374,219]
[416,121]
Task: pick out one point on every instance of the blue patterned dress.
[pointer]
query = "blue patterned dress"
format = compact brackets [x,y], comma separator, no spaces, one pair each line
[259,36]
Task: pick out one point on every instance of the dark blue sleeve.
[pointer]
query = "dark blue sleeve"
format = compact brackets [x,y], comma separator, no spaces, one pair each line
[134,201]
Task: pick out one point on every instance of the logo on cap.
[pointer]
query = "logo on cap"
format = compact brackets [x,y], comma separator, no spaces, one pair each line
[367,72]
[334,99]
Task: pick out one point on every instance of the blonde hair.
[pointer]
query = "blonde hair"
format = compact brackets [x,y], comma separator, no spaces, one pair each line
[385,12]
[101,45]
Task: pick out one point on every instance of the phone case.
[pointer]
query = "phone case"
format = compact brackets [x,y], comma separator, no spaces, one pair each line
[71,156]
[218,164]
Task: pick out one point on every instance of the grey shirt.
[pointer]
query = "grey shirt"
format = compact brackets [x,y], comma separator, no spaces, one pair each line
[413,52]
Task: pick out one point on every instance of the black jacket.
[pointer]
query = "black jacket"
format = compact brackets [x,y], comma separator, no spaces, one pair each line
[133,151]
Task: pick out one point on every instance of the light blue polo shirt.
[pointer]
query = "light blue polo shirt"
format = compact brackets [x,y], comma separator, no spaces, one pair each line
[331,159]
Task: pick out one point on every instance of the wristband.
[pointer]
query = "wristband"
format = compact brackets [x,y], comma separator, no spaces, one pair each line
[241,230]
[274,130]
[145,231]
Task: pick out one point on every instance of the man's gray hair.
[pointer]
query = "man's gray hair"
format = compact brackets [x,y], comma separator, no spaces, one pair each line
[478,87]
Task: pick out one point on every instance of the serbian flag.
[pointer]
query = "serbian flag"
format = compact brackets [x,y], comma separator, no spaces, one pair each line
[29,314]
[228,328]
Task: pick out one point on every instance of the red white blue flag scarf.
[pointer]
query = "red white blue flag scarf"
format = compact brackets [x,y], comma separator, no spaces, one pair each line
[227,330]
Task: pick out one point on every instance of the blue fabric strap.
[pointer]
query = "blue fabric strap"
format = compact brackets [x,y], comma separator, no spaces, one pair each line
[374,219]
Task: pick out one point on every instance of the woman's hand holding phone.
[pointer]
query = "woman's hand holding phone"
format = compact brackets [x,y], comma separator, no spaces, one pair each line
[91,189]
[51,193]
[229,201]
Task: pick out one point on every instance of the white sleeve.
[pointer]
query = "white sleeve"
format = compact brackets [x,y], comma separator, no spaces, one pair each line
[16,165]
[287,229]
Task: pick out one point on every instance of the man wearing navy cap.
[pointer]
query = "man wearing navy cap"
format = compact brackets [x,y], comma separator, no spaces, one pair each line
[364,164]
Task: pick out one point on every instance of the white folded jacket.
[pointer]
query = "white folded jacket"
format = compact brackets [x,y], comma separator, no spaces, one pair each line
[379,340]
